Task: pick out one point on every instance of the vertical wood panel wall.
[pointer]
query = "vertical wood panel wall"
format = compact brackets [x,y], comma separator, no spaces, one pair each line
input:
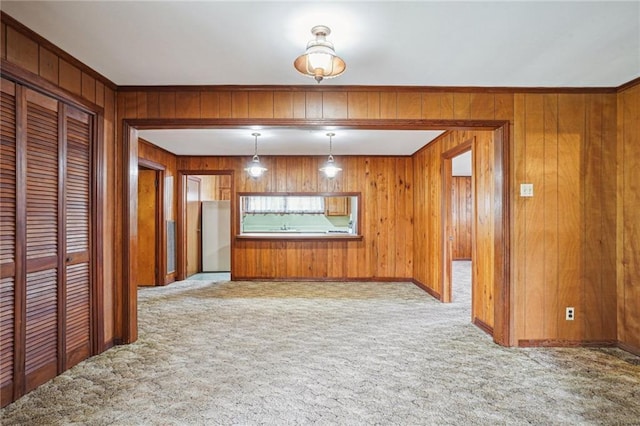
[428,238]
[564,241]
[556,142]
[461,215]
[628,207]
[385,252]
[35,55]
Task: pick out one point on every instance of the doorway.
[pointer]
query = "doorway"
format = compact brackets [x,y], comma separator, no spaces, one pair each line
[499,239]
[193,226]
[207,224]
[150,259]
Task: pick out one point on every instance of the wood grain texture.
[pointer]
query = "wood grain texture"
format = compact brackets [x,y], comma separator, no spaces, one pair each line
[22,51]
[541,123]
[461,203]
[147,225]
[628,258]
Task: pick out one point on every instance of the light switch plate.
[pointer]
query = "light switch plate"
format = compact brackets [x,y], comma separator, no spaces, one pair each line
[526,190]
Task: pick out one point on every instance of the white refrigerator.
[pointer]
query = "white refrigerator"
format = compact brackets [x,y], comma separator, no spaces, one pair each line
[216,236]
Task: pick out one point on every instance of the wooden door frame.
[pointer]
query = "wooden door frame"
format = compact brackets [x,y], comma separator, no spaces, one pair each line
[447,255]
[503,321]
[160,243]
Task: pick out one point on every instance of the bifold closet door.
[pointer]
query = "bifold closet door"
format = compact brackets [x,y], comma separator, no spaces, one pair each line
[7,237]
[77,289]
[43,217]
[45,286]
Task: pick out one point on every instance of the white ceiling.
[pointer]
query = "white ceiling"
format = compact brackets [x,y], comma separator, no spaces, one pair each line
[283,141]
[414,43]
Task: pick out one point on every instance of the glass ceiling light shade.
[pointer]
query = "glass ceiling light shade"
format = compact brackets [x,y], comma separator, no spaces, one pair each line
[330,168]
[255,169]
[319,60]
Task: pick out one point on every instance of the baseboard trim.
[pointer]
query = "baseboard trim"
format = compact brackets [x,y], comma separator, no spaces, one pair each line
[483,326]
[325,279]
[533,343]
[424,287]
[629,348]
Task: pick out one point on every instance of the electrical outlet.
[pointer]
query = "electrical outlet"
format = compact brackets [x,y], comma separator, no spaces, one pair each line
[526,190]
[570,314]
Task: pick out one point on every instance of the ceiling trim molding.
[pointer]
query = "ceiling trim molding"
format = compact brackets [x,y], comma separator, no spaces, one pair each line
[629,84]
[367,124]
[43,42]
[336,88]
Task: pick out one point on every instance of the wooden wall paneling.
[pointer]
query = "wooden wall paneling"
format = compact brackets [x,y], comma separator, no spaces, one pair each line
[388,105]
[358,105]
[3,40]
[209,105]
[482,106]
[534,215]
[629,261]
[100,95]
[409,105]
[447,106]
[334,105]
[299,104]
[374,105]
[70,77]
[187,104]
[224,105]
[21,50]
[88,87]
[571,110]
[261,104]
[141,105]
[549,191]
[109,177]
[282,105]
[130,104]
[166,105]
[239,104]
[518,214]
[592,180]
[461,105]
[608,205]
[313,105]
[153,104]
[48,65]
[503,104]
[461,217]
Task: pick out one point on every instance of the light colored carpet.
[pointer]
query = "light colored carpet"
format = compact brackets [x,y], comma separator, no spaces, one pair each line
[245,353]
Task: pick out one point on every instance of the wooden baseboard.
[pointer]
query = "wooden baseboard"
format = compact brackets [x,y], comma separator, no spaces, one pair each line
[483,326]
[431,292]
[324,279]
[532,343]
[627,347]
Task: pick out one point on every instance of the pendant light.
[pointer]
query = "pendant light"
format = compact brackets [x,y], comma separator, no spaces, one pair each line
[255,169]
[330,169]
[320,60]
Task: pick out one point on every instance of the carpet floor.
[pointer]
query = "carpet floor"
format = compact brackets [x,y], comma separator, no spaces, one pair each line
[290,353]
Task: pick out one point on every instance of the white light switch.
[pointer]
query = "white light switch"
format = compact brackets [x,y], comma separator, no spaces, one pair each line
[526,190]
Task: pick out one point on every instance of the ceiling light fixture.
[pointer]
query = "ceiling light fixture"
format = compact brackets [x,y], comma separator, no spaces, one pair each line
[330,169]
[319,60]
[255,169]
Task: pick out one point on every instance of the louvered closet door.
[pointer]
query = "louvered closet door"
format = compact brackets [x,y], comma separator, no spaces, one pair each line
[7,236]
[77,226]
[42,239]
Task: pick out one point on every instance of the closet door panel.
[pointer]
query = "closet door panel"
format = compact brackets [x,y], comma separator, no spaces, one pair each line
[77,240]
[7,237]
[42,251]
